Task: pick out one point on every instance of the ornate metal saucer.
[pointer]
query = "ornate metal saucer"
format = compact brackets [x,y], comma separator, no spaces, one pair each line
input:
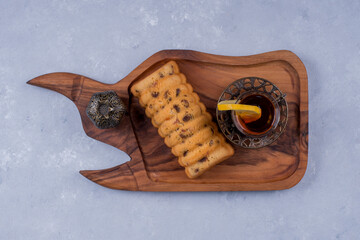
[237,90]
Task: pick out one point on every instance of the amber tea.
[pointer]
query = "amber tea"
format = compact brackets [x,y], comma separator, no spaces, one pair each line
[269,115]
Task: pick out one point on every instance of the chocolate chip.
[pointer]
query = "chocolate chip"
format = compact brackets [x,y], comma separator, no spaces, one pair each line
[185,103]
[211,142]
[203,159]
[182,135]
[177,108]
[161,74]
[150,106]
[155,94]
[170,99]
[187,117]
[162,107]
[196,170]
[177,91]
[205,125]
[212,131]
[199,144]
[185,153]
[217,141]
[166,94]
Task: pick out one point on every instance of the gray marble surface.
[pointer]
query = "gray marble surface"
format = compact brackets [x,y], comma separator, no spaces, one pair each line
[43,146]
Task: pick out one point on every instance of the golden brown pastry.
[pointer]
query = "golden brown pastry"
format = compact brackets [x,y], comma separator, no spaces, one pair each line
[182,120]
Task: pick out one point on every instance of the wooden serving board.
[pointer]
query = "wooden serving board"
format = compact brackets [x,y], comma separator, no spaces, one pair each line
[152,167]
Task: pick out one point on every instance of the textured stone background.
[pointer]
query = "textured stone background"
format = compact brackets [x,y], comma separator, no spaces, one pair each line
[43,146]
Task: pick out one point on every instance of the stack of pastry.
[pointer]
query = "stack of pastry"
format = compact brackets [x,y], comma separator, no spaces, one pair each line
[181,119]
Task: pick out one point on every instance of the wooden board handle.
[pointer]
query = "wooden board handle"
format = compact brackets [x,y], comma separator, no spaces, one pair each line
[68,84]
[119,177]
[79,89]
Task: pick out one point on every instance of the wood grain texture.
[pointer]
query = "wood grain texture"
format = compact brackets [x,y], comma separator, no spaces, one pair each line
[152,167]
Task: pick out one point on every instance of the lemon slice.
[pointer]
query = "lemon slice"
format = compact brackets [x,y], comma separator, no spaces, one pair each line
[248,113]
